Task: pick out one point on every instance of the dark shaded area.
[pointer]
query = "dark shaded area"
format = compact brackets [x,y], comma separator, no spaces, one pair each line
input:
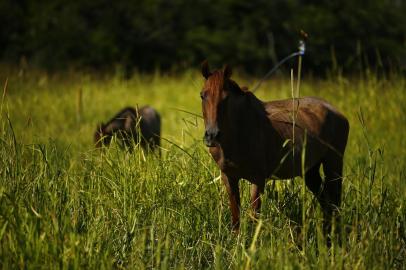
[254,35]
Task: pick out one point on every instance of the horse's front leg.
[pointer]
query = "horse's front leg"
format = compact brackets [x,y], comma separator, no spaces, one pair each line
[234,195]
[256,190]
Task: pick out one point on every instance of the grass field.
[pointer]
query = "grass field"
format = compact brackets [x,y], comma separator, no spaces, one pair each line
[64,204]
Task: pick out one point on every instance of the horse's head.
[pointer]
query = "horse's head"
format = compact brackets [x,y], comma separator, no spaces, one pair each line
[217,88]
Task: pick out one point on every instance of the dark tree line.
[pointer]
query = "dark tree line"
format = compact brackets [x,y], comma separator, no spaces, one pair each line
[165,34]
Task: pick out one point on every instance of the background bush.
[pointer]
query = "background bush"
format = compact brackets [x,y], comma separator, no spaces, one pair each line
[146,35]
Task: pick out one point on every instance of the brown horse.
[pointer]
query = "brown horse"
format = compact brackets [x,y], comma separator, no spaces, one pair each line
[256,140]
[125,126]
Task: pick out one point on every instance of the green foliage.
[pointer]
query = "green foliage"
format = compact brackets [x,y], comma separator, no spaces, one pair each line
[64,204]
[150,34]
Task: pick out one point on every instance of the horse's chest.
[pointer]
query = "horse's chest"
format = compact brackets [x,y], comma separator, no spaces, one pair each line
[248,164]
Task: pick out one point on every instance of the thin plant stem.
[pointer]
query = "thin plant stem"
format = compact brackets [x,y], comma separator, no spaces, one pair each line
[3,96]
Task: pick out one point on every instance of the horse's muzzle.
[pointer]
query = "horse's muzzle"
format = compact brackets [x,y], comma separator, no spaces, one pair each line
[211,136]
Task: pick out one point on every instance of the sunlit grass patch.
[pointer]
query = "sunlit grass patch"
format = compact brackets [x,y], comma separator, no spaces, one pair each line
[64,203]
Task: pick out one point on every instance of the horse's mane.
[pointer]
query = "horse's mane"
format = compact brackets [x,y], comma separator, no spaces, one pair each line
[218,78]
[233,86]
[254,103]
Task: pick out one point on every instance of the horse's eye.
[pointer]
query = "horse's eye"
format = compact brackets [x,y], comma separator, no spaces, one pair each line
[203,95]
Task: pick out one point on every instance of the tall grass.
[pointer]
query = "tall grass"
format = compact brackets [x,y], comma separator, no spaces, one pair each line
[64,204]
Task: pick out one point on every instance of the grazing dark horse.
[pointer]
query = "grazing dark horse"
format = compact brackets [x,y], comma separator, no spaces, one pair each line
[125,125]
[254,140]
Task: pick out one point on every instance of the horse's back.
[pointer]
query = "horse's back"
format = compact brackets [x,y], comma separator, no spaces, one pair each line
[127,112]
[314,115]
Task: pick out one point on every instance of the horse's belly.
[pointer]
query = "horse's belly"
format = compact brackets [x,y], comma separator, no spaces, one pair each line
[286,167]
[291,165]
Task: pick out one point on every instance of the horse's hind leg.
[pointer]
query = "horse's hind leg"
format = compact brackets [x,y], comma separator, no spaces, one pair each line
[333,170]
[326,193]
[314,181]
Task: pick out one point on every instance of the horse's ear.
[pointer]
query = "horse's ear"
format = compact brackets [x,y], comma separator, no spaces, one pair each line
[244,88]
[205,69]
[227,71]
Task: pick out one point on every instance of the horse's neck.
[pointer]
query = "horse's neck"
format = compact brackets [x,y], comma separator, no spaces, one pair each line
[248,123]
[251,137]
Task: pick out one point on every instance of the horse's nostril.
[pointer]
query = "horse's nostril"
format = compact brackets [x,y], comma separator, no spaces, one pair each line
[211,135]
